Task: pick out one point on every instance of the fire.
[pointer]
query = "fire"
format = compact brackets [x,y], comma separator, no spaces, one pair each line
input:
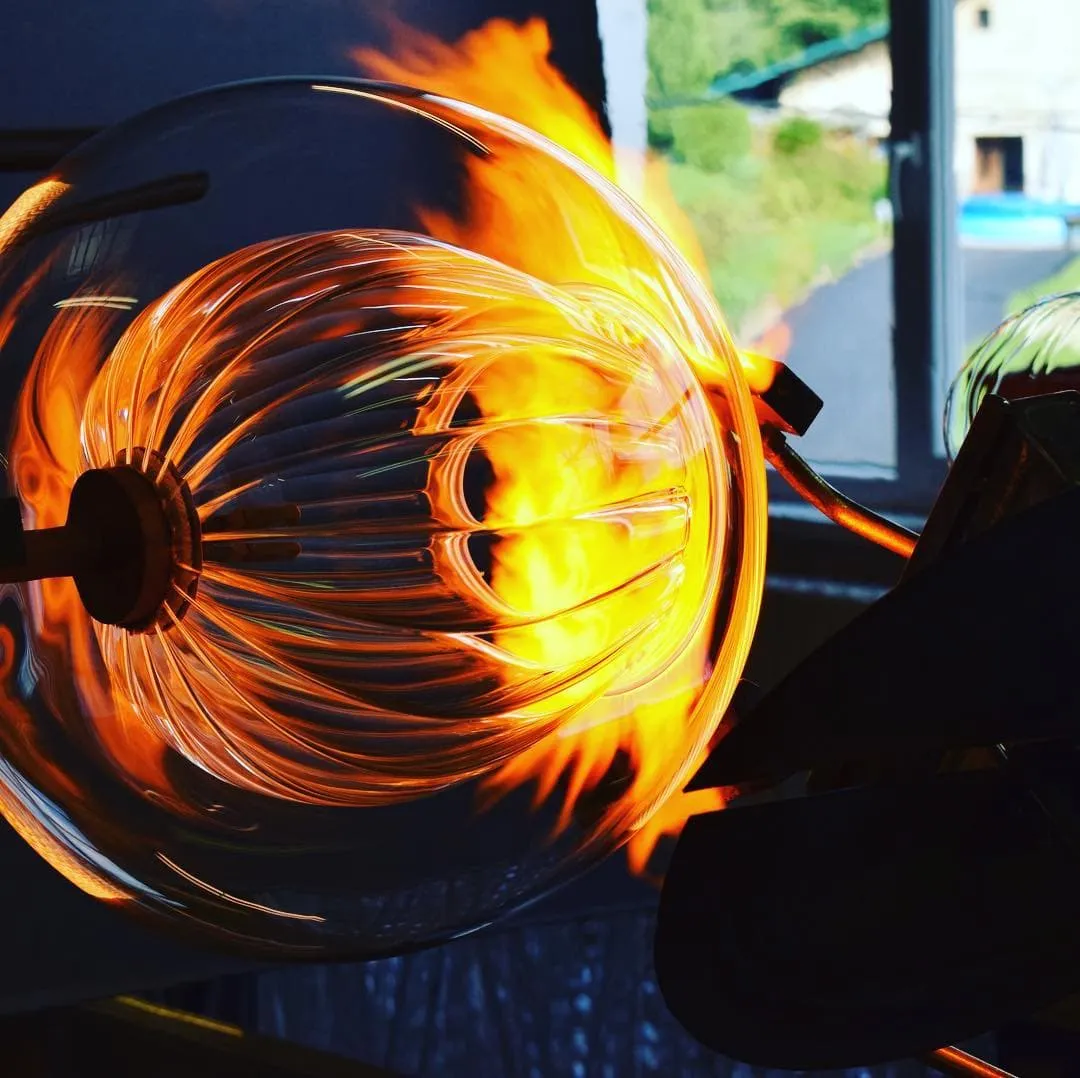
[626,505]
[503,67]
[27,208]
[775,342]
[606,514]
[506,68]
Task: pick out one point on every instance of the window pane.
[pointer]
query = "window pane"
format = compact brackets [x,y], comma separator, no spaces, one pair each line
[1017,154]
[774,117]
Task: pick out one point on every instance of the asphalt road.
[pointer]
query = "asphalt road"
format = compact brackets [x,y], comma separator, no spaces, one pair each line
[842,346]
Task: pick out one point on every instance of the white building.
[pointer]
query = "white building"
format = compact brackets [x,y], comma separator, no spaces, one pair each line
[1017,85]
[853,90]
[1018,97]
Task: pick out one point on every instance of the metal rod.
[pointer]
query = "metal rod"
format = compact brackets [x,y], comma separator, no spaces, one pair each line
[154,195]
[48,553]
[39,150]
[827,499]
[954,1061]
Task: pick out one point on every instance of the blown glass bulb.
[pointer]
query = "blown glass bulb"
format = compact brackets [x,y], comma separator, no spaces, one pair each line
[1032,352]
[467,506]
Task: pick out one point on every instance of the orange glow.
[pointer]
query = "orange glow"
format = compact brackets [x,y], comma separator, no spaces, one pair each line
[26,209]
[46,845]
[502,67]
[506,68]
[760,370]
[625,509]
[46,459]
[775,342]
[668,822]
[31,821]
[605,508]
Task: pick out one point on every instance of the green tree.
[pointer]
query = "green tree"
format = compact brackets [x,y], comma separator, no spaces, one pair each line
[691,42]
[711,137]
[682,56]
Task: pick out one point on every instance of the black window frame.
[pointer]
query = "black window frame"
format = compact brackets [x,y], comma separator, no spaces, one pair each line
[927,304]
[926,270]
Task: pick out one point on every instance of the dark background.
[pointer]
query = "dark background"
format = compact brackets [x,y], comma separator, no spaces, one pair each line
[567,987]
[67,63]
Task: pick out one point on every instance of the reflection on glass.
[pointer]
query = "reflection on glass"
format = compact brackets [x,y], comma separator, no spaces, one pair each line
[1035,351]
[774,116]
[480,494]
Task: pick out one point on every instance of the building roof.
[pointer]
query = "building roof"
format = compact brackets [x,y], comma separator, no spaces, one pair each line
[823,51]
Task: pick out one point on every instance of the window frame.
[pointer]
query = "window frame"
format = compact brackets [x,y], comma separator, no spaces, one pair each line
[926,270]
[927,290]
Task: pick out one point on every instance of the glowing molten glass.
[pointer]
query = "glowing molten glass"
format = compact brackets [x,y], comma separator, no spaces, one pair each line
[481,501]
[508,518]
[1035,351]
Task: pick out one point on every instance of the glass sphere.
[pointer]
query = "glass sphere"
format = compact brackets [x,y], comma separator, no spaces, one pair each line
[1035,351]
[475,507]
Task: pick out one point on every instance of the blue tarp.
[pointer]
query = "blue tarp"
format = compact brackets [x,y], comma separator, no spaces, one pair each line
[1016,220]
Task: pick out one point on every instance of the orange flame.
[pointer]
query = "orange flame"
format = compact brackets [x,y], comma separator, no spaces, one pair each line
[592,528]
[775,342]
[46,459]
[506,68]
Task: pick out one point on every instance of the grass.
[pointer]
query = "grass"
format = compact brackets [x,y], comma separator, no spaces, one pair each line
[1067,279]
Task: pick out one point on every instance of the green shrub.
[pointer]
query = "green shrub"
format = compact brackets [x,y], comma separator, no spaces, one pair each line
[712,137]
[797,134]
[661,136]
[771,223]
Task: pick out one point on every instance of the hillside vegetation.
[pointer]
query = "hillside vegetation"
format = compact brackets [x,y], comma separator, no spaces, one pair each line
[778,206]
[691,42]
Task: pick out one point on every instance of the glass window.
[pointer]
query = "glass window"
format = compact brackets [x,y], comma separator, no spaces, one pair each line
[775,117]
[1017,155]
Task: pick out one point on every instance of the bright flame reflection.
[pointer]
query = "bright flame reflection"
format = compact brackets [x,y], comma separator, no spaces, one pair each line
[547,621]
[506,68]
[584,635]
